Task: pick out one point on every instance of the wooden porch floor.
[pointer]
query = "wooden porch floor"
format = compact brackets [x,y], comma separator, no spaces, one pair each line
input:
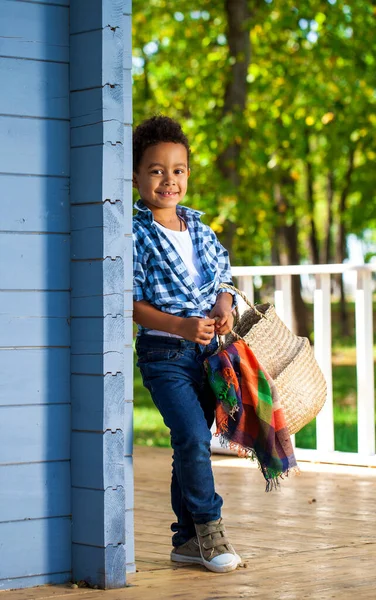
[313,539]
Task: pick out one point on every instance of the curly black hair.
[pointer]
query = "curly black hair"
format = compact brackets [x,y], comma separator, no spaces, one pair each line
[153,131]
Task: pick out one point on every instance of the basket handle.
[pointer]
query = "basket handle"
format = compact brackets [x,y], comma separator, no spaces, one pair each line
[242,295]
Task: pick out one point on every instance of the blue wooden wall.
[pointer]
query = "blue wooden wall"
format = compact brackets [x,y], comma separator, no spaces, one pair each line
[66,480]
[35,411]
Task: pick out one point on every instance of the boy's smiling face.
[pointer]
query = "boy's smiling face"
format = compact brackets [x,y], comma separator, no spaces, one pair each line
[162,177]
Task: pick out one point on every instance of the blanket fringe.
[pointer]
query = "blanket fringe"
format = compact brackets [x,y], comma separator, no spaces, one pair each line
[272,479]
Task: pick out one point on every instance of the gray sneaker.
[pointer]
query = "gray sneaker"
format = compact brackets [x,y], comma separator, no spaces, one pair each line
[217,553]
[187,553]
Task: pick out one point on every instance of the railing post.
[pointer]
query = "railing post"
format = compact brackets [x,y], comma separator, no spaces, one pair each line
[283,306]
[323,354]
[283,299]
[246,286]
[364,363]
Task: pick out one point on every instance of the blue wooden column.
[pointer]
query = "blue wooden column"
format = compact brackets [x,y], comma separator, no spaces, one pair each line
[101,298]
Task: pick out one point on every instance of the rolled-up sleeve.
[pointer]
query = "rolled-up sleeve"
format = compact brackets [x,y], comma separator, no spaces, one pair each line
[138,271]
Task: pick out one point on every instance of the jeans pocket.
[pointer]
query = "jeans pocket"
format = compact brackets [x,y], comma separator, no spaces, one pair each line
[157,355]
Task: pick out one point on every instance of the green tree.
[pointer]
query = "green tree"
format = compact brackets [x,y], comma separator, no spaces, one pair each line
[278,100]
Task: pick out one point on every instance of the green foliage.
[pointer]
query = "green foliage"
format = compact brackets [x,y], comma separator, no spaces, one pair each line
[311,101]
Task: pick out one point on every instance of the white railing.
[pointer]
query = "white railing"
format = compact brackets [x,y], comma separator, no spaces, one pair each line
[324,451]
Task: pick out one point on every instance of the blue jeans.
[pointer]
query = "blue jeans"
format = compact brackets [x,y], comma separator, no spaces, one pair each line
[172,370]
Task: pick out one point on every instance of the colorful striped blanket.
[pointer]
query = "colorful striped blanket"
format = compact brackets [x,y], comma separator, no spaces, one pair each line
[248,412]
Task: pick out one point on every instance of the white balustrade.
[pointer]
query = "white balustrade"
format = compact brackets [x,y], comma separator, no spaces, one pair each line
[323,354]
[283,298]
[364,363]
[323,351]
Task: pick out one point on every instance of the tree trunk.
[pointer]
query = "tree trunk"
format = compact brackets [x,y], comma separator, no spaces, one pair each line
[313,241]
[328,244]
[288,251]
[147,92]
[238,16]
[341,240]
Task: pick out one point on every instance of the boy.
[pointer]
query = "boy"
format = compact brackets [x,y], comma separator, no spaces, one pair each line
[178,266]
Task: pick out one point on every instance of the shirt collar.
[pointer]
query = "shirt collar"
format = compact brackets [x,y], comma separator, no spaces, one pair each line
[184,211]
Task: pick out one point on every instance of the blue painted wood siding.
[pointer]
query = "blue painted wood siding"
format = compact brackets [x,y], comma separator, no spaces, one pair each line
[101,292]
[35,412]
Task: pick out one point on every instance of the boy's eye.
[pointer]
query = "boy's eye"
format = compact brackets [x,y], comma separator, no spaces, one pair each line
[156,171]
[179,171]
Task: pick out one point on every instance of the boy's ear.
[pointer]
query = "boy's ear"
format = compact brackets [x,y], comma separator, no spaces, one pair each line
[134,180]
[189,172]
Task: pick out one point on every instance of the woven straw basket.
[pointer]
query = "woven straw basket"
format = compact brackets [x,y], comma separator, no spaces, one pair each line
[287,358]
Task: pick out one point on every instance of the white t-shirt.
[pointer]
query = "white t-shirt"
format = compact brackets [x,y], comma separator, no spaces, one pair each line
[182,242]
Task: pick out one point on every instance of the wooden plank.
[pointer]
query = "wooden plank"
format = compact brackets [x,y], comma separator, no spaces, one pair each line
[34,319]
[127,7]
[89,506]
[97,364]
[98,460]
[97,230]
[39,89]
[95,306]
[25,206]
[51,591]
[42,30]
[88,50]
[34,146]
[87,179]
[34,433]
[52,2]
[88,409]
[34,304]
[35,262]
[128,109]
[88,278]
[99,104]
[310,579]
[44,376]
[128,423]
[127,53]
[19,583]
[128,478]
[96,335]
[104,132]
[101,14]
[128,164]
[33,332]
[26,547]
[35,491]
[100,566]
[129,541]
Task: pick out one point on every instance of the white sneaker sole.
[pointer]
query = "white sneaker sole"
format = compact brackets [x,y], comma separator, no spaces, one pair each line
[226,568]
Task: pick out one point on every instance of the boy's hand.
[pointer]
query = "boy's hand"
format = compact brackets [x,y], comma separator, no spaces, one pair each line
[200,331]
[222,313]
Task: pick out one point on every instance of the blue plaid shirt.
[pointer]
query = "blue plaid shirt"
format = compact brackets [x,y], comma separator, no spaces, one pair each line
[159,274]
